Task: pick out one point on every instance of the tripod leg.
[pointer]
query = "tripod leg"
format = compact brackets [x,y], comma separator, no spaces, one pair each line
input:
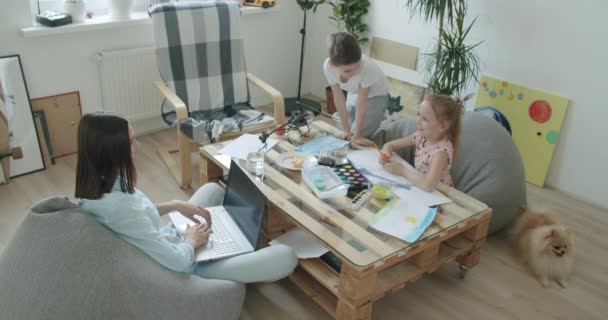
[4,148]
[297,103]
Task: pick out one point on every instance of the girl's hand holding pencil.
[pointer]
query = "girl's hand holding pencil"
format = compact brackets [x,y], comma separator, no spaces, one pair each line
[385,153]
[384,157]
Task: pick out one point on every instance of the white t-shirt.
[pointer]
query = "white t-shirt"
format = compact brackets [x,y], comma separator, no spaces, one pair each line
[369,75]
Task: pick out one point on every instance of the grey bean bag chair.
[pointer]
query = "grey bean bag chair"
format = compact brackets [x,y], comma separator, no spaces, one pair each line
[62,264]
[488,167]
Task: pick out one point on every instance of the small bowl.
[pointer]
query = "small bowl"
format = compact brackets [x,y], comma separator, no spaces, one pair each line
[381,192]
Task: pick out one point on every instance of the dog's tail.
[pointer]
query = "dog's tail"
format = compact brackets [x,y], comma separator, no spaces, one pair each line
[529,220]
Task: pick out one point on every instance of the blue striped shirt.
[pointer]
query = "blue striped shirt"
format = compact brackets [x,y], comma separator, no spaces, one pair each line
[134,218]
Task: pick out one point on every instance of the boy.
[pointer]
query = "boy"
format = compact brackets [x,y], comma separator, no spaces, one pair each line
[347,69]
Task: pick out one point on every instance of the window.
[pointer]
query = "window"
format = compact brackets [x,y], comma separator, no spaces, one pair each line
[101,19]
[97,7]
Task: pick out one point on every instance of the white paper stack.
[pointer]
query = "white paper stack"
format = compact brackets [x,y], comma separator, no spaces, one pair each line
[246,143]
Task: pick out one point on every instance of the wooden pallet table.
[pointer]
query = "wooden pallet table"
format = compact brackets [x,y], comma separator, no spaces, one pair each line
[373,263]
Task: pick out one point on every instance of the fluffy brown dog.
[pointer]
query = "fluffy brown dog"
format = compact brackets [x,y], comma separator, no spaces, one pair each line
[545,246]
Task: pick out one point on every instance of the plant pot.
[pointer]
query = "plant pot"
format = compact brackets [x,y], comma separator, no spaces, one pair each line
[329,95]
[121,9]
[77,10]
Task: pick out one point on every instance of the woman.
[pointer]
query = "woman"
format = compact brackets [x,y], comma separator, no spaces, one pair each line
[105,185]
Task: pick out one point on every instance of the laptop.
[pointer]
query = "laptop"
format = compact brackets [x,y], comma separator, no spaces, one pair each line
[236,224]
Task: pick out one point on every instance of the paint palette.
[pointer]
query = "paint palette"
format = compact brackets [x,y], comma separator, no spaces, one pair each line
[351,177]
[360,198]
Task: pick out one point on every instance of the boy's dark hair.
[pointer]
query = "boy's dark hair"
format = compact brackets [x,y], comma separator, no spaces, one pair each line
[344,49]
[104,154]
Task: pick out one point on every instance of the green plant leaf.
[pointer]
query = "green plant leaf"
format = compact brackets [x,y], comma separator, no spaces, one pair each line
[351,14]
[455,61]
[445,11]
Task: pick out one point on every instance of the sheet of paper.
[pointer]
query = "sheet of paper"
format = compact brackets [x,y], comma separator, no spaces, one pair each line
[321,143]
[422,197]
[368,159]
[302,242]
[224,160]
[246,143]
[404,219]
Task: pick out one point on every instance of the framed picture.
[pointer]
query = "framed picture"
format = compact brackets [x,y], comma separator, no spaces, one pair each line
[17,129]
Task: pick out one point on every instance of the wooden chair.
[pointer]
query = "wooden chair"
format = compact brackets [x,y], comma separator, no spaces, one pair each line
[200,55]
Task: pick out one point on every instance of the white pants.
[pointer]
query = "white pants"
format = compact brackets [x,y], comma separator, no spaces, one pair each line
[265,265]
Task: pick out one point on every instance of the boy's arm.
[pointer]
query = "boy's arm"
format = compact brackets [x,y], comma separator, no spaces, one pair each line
[340,102]
[361,112]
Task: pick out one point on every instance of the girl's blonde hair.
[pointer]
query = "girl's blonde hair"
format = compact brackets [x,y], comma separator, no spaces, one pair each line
[449,108]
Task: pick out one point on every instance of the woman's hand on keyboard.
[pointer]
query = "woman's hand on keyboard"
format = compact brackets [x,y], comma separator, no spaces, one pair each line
[197,235]
[190,210]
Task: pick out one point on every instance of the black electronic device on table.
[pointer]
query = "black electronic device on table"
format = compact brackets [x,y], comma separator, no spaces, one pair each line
[53,19]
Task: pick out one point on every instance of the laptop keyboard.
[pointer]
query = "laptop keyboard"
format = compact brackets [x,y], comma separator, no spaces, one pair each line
[220,239]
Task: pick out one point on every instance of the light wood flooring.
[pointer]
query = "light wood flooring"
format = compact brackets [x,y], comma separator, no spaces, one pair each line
[498,288]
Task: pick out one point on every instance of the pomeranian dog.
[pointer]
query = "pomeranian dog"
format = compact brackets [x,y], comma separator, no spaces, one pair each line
[545,246]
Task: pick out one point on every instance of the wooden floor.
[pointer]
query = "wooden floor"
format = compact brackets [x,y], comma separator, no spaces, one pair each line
[499,288]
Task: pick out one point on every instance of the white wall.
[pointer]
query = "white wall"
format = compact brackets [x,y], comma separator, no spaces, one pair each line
[557,46]
[66,62]
[319,28]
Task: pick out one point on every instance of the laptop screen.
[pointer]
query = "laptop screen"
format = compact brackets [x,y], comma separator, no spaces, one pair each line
[245,203]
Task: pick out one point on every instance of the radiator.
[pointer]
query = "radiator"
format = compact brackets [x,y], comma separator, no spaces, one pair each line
[127,83]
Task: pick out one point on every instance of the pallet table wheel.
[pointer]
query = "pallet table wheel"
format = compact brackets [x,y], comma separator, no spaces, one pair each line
[462,271]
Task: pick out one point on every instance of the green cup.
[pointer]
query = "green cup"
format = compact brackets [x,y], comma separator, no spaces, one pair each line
[381,192]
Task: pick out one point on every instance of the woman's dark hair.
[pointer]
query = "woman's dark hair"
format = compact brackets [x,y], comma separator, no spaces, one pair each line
[104,154]
[344,49]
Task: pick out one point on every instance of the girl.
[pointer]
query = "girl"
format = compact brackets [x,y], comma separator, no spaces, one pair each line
[105,185]
[436,140]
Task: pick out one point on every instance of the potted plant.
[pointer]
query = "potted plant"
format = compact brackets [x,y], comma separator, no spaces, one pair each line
[121,9]
[76,9]
[454,62]
[348,15]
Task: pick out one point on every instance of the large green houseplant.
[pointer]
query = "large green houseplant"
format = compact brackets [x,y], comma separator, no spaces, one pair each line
[453,62]
[349,15]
